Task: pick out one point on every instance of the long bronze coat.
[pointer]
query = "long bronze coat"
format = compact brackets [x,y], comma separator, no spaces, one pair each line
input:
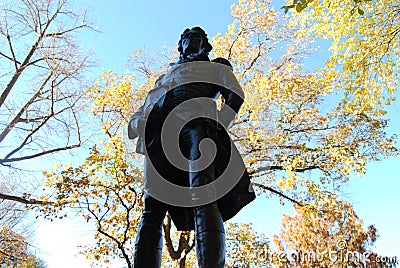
[189,81]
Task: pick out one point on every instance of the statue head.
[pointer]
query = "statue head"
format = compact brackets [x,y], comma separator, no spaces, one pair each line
[194,41]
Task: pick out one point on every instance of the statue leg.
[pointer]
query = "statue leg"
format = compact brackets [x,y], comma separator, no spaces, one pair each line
[210,237]
[148,246]
[209,226]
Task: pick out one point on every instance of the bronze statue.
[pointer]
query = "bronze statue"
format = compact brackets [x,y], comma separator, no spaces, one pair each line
[211,184]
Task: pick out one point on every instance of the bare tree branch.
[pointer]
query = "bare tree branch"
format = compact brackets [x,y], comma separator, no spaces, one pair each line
[266,168]
[167,238]
[12,52]
[13,122]
[58,34]
[23,200]
[24,64]
[277,193]
[27,157]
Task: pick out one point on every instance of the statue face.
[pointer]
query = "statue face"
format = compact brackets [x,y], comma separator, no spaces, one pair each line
[192,42]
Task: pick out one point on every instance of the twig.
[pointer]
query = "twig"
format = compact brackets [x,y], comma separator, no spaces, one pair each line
[278,193]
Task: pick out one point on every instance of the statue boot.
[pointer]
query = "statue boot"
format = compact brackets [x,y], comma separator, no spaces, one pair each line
[209,228]
[210,237]
[148,246]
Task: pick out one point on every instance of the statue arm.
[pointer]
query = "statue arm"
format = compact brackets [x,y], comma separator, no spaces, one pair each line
[136,124]
[230,108]
[232,102]
[137,121]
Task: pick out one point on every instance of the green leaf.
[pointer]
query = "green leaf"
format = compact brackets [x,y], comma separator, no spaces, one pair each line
[299,7]
[286,8]
[360,11]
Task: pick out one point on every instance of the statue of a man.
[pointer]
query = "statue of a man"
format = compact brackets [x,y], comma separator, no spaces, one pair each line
[211,184]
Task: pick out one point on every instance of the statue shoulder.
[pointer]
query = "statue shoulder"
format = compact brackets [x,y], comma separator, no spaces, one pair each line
[222,61]
[159,80]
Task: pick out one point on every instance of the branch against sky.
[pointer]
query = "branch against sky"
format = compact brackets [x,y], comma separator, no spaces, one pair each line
[42,82]
[41,79]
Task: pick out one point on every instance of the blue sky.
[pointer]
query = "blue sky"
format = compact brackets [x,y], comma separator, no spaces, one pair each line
[128,25]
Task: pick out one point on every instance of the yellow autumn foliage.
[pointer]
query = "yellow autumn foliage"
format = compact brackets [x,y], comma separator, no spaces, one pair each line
[302,132]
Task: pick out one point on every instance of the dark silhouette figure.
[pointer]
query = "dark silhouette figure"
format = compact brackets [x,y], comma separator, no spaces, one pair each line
[206,219]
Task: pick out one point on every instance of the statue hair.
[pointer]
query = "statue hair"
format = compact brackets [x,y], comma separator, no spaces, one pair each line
[203,34]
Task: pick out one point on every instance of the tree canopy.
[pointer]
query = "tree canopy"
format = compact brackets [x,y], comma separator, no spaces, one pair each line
[303,132]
